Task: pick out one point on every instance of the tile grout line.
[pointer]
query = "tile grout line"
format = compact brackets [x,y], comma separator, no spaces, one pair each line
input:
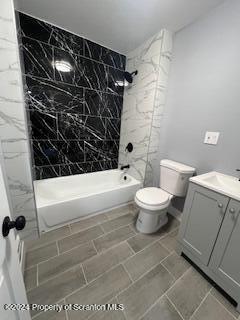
[166,292]
[84,275]
[131,249]
[52,241]
[72,233]
[64,301]
[81,264]
[74,53]
[99,253]
[102,235]
[108,271]
[134,253]
[58,251]
[201,303]
[222,304]
[174,278]
[163,245]
[125,269]
[123,311]
[149,270]
[142,277]
[174,307]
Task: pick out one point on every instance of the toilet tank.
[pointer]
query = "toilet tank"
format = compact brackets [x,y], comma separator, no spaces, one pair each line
[174,177]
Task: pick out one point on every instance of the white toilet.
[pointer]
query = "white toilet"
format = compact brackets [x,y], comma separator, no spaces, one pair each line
[154,202]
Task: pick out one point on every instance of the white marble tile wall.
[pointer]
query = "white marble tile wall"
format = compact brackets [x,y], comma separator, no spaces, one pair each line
[159,104]
[143,105]
[13,134]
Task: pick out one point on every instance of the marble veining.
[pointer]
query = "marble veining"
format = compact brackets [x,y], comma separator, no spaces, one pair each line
[73,117]
[143,106]
[13,131]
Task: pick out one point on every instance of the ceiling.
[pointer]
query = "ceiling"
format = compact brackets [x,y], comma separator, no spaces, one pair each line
[121,25]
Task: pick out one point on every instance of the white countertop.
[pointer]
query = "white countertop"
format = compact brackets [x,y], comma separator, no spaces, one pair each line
[221,183]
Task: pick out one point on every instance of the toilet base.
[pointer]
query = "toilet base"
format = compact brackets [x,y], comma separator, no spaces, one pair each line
[149,222]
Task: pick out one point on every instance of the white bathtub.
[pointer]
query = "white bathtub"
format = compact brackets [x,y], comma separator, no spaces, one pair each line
[67,199]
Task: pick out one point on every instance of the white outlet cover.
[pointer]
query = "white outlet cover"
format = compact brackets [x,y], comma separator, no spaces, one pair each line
[211,137]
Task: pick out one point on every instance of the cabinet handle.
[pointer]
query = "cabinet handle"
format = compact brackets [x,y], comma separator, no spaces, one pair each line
[220,205]
[231,210]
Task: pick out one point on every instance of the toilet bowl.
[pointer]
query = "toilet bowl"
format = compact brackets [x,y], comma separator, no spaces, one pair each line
[154,202]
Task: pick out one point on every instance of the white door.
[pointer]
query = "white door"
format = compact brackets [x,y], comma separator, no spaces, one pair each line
[12,289]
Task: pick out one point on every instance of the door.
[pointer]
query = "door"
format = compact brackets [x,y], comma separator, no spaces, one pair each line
[12,289]
[203,215]
[225,261]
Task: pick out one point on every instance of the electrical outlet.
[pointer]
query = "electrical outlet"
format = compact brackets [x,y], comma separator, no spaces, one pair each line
[211,137]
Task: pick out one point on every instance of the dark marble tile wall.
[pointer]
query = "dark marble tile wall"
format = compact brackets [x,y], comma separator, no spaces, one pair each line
[73,116]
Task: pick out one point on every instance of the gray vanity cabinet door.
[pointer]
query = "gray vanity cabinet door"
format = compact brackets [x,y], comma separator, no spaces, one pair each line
[203,214]
[225,261]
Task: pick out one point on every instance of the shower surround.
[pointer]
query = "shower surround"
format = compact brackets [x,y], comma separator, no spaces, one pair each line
[14,147]
[74,98]
[143,106]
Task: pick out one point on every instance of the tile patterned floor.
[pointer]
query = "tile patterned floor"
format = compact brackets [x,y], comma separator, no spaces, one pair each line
[103,259]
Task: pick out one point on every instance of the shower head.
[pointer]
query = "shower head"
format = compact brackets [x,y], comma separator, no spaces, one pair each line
[129,76]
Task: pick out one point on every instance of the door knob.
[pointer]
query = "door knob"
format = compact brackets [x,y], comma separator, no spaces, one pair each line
[232,210]
[7,225]
[220,205]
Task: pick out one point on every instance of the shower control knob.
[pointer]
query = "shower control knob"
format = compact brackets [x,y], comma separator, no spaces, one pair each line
[7,225]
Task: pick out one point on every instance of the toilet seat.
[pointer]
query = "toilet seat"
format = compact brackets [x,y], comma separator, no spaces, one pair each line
[153,199]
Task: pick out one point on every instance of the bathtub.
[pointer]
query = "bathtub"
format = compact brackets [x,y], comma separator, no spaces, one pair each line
[68,199]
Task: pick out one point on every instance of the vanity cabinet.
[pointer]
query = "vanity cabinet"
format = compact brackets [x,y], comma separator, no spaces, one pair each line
[210,236]
[225,260]
[203,214]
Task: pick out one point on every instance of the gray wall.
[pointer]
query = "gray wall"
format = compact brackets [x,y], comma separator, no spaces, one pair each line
[204,93]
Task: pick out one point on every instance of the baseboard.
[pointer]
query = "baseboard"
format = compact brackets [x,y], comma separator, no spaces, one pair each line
[175,212]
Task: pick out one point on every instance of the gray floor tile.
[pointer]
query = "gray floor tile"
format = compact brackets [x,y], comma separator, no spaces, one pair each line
[108,314]
[140,241]
[52,315]
[30,278]
[145,260]
[79,238]
[100,291]
[88,223]
[48,237]
[211,309]
[176,264]
[57,288]
[117,212]
[188,292]
[229,306]
[104,261]
[170,241]
[163,310]
[40,254]
[65,261]
[108,240]
[138,298]
[118,222]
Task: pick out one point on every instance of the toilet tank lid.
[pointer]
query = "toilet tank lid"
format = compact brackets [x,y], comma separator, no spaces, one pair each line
[179,167]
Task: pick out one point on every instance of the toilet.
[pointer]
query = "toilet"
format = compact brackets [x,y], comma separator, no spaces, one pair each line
[154,202]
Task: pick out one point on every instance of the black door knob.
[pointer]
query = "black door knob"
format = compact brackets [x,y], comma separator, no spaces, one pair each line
[7,225]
